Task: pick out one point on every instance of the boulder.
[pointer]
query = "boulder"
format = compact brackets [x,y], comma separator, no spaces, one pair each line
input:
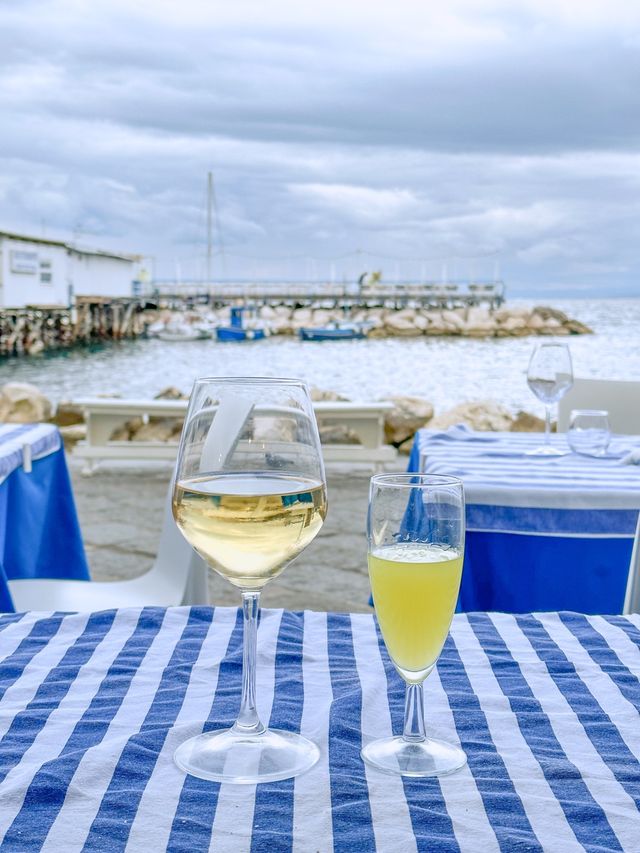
[338,434]
[161,429]
[575,327]
[402,325]
[486,415]
[407,416]
[545,312]
[127,430]
[171,393]
[319,395]
[526,422]
[22,403]
[72,434]
[67,414]
[274,429]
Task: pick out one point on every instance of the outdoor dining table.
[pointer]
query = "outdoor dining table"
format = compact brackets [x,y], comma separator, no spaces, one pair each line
[92,707]
[39,532]
[543,533]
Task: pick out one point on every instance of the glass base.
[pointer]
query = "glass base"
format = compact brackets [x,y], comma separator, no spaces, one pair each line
[226,756]
[429,757]
[547,450]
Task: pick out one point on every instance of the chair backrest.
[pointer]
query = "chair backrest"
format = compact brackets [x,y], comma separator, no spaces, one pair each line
[620,399]
[178,569]
[632,597]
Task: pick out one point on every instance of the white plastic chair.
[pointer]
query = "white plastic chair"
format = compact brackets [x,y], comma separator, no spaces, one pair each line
[178,576]
[632,597]
[620,399]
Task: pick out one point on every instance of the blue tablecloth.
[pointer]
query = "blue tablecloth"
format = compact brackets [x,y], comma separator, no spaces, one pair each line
[39,532]
[93,706]
[543,533]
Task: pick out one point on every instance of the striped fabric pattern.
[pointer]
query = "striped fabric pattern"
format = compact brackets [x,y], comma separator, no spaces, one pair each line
[42,439]
[92,707]
[507,490]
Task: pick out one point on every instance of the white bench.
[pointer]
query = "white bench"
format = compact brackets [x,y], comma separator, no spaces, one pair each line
[104,415]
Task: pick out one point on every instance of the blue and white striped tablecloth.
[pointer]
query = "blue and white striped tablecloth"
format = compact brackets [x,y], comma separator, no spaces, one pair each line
[41,439]
[92,707]
[544,533]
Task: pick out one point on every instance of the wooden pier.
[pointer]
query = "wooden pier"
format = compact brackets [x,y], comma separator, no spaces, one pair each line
[36,328]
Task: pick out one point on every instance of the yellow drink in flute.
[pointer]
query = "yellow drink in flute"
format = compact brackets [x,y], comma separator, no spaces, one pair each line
[415,588]
[248,526]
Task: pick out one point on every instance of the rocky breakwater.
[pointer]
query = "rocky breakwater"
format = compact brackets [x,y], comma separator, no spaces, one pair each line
[470,322]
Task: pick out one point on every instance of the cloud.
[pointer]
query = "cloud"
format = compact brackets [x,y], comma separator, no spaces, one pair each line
[396,134]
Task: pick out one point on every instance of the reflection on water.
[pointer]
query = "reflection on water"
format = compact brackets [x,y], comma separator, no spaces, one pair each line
[444,370]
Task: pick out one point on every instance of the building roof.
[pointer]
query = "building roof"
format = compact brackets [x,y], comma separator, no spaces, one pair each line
[70,247]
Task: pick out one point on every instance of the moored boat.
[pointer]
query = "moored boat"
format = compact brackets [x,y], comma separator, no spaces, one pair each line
[336,332]
[239,330]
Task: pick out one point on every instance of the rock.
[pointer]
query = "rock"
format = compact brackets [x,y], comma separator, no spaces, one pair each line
[67,414]
[407,416]
[319,394]
[403,323]
[171,393]
[575,327]
[338,434]
[526,422]
[547,313]
[274,429]
[127,430]
[484,415]
[22,403]
[35,347]
[454,320]
[158,429]
[73,433]
[406,446]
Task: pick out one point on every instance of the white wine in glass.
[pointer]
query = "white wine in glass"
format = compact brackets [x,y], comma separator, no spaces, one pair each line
[416,529]
[249,495]
[549,376]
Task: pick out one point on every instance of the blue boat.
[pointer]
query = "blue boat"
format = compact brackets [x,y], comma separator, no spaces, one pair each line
[344,332]
[236,331]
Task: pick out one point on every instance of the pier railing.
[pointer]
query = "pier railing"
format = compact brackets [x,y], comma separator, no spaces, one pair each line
[305,294]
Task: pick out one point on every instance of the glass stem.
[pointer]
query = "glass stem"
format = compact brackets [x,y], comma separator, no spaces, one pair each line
[547,425]
[414,714]
[248,722]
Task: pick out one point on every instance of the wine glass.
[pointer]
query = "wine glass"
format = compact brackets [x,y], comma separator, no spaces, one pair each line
[249,495]
[415,529]
[549,376]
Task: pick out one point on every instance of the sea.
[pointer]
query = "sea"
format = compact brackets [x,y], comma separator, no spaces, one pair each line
[446,371]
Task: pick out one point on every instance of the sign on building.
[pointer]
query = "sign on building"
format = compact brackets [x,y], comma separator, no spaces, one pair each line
[23,262]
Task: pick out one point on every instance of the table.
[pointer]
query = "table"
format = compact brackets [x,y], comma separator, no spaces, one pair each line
[543,533]
[39,531]
[93,706]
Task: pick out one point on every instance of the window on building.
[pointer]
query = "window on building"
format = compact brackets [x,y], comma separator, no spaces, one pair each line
[45,272]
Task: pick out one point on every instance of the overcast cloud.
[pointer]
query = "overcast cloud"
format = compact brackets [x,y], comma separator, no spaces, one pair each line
[342,136]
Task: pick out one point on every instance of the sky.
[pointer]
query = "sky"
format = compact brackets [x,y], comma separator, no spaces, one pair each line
[459,139]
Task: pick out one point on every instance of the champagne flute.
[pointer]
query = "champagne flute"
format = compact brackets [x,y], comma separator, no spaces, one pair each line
[416,527]
[249,495]
[549,376]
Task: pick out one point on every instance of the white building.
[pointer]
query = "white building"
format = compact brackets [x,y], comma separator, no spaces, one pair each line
[37,271]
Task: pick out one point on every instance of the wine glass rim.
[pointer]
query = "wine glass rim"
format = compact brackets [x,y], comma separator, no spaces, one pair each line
[260,380]
[411,480]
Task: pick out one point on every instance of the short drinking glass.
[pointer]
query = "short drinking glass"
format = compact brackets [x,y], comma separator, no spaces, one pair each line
[249,495]
[589,432]
[416,528]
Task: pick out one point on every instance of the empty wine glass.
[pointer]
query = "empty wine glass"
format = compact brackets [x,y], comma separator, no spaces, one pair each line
[249,495]
[549,376]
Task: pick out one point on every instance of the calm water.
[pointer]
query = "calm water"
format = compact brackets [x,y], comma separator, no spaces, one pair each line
[444,370]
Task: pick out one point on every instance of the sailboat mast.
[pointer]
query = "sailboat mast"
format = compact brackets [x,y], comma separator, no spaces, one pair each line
[209,225]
